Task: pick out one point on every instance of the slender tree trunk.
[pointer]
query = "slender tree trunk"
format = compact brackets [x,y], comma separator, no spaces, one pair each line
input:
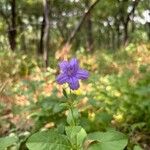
[126,36]
[12,26]
[23,43]
[108,39]
[148,30]
[113,40]
[22,39]
[46,33]
[109,32]
[40,49]
[118,35]
[99,37]
[127,20]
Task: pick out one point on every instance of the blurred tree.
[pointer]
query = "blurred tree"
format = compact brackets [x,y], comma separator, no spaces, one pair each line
[86,16]
[46,32]
[12,26]
[92,24]
[125,15]
[40,49]
[11,23]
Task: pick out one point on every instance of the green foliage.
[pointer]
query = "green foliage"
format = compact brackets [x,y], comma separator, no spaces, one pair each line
[8,141]
[76,136]
[75,139]
[51,110]
[116,97]
[73,116]
[48,140]
[110,140]
[13,65]
[137,147]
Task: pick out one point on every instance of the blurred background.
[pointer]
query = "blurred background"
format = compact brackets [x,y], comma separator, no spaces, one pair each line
[110,38]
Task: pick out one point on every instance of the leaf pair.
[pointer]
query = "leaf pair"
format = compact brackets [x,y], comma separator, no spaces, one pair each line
[52,140]
[75,139]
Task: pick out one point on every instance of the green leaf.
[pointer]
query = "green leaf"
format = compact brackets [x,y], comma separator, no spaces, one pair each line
[73,96]
[76,135]
[110,140]
[65,93]
[103,117]
[48,140]
[137,147]
[72,117]
[7,141]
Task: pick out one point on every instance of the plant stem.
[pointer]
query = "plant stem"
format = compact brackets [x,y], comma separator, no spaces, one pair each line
[74,120]
[71,109]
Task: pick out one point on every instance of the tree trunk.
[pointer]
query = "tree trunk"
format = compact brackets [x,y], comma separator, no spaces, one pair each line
[12,26]
[108,38]
[127,20]
[113,40]
[22,40]
[118,35]
[40,49]
[148,30]
[46,32]
[109,33]
[126,36]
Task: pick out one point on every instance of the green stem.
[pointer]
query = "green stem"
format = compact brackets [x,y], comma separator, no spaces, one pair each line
[75,147]
[71,108]
[74,121]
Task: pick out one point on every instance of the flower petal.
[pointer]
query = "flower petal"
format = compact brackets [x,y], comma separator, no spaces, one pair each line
[62,78]
[63,65]
[73,83]
[74,64]
[82,74]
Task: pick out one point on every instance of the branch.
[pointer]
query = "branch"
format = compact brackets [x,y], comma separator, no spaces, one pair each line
[77,28]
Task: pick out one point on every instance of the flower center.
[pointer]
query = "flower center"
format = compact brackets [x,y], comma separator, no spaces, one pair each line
[70,71]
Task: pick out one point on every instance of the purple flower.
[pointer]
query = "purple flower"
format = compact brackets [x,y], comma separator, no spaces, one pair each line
[71,73]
